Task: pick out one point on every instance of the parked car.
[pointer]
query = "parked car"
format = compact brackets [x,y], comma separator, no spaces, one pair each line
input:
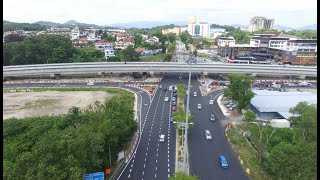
[170,88]
[199,106]
[160,86]
[173,98]
[212,117]
[166,99]
[223,161]
[195,94]
[208,135]
[175,94]
[164,89]
[174,103]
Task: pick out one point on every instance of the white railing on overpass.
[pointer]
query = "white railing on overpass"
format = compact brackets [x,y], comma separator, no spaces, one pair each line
[116,67]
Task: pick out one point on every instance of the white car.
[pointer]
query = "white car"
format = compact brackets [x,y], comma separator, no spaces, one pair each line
[199,106]
[90,84]
[194,94]
[162,138]
[211,101]
[208,135]
[187,92]
[170,88]
[166,99]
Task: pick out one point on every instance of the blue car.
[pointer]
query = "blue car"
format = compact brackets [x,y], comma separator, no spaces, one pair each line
[223,161]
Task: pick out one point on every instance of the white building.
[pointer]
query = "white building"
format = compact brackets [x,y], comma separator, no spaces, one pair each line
[91,37]
[123,44]
[152,40]
[75,33]
[109,52]
[226,41]
[197,28]
[258,22]
[215,32]
[102,45]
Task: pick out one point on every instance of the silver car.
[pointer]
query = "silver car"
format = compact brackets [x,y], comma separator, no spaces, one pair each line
[208,135]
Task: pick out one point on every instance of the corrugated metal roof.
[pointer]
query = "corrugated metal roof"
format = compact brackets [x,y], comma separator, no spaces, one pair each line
[281,102]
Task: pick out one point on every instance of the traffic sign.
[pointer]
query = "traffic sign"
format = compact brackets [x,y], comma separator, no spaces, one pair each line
[94,176]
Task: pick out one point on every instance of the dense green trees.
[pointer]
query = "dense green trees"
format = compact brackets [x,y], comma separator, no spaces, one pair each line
[306,34]
[240,90]
[305,120]
[13,38]
[289,153]
[11,26]
[128,54]
[185,37]
[137,40]
[68,146]
[47,49]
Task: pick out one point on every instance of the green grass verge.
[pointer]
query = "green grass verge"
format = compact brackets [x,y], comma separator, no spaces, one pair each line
[247,154]
[157,57]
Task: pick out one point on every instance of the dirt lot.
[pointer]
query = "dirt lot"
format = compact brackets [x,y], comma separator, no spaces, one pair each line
[23,104]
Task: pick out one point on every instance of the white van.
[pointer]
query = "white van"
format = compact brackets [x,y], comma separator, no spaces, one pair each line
[90,83]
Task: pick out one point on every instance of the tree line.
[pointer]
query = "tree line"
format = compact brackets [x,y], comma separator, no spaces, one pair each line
[288,153]
[68,146]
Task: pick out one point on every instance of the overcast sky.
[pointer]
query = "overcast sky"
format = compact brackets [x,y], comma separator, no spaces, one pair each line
[292,13]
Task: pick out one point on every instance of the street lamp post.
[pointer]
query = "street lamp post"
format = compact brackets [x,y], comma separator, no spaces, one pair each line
[187,117]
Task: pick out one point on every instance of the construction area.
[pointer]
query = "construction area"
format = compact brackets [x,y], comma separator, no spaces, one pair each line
[28,104]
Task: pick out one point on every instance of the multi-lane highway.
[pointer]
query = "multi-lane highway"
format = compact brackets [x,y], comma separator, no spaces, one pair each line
[156,160]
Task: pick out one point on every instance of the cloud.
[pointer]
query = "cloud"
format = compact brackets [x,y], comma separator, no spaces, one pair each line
[103,12]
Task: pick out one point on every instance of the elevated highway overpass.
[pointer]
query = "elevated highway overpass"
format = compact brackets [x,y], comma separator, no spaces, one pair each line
[101,68]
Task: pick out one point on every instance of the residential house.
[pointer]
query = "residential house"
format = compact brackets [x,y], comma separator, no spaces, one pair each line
[109,52]
[75,33]
[121,36]
[83,42]
[102,45]
[124,43]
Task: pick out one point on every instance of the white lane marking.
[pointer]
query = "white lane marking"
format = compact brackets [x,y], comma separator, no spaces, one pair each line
[168,147]
[130,170]
[148,143]
[168,161]
[157,155]
[143,173]
[156,168]
[168,165]
[168,152]
[145,159]
[129,176]
[146,154]
[168,170]
[156,161]
[131,165]
[157,149]
[144,166]
[147,149]
[168,175]
[133,161]
[155,176]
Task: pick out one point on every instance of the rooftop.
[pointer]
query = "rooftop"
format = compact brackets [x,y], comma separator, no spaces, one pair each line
[281,102]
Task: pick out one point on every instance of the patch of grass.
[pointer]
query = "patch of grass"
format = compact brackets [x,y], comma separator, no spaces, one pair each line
[40,103]
[247,154]
[157,57]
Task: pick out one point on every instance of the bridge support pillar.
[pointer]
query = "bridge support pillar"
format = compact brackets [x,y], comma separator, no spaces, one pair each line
[101,74]
[55,76]
[302,77]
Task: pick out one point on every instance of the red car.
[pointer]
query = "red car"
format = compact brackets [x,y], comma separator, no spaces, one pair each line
[174,109]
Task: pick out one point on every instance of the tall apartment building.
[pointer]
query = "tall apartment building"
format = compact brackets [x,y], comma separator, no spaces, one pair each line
[258,22]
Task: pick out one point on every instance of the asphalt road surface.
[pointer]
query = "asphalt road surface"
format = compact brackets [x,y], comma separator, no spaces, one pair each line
[204,154]
[154,159]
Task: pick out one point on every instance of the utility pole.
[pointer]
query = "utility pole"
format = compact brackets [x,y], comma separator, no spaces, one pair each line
[186,124]
[110,156]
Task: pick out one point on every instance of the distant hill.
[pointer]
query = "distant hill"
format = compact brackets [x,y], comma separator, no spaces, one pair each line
[71,22]
[47,23]
[309,27]
[282,28]
[147,24]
